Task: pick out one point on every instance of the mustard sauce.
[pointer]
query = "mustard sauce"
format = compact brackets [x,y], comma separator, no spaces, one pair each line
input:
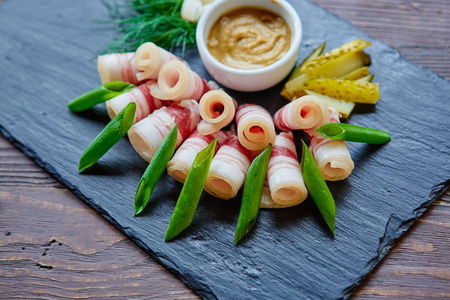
[249,38]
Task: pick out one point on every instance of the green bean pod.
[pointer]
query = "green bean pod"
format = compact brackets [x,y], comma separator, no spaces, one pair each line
[108,137]
[190,194]
[318,188]
[353,133]
[154,170]
[251,197]
[99,95]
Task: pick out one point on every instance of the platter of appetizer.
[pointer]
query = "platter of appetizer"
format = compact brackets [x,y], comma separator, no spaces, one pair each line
[292,190]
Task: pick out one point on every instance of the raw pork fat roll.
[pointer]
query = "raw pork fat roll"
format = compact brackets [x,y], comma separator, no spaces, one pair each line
[177,82]
[217,110]
[117,67]
[150,59]
[145,102]
[180,164]
[254,127]
[266,198]
[148,134]
[284,173]
[303,113]
[228,169]
[331,156]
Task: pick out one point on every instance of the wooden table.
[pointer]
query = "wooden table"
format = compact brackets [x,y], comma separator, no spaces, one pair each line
[52,245]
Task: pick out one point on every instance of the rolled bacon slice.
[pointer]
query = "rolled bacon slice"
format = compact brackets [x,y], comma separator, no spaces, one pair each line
[266,198]
[228,169]
[331,156]
[117,67]
[284,173]
[145,102]
[177,82]
[148,134]
[255,128]
[150,59]
[307,112]
[217,110]
[180,164]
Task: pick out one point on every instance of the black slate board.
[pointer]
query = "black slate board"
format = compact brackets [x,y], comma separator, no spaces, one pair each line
[46,59]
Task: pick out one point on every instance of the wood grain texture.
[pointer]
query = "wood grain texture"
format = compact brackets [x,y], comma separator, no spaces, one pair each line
[53,246]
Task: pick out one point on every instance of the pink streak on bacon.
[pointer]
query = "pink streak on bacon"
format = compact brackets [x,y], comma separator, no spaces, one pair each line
[152,102]
[150,59]
[278,120]
[303,113]
[278,150]
[334,115]
[178,167]
[228,169]
[331,156]
[147,135]
[184,120]
[201,91]
[177,82]
[145,102]
[233,142]
[284,173]
[117,67]
[255,127]
[127,68]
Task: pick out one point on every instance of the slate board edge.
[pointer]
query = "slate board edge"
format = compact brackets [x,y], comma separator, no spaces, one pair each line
[395,233]
[200,289]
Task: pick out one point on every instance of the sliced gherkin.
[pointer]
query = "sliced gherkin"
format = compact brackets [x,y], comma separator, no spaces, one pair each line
[351,47]
[348,90]
[357,74]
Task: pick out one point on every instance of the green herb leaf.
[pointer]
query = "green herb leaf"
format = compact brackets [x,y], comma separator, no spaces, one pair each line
[108,137]
[353,133]
[251,197]
[318,188]
[157,21]
[314,54]
[100,94]
[154,170]
[190,194]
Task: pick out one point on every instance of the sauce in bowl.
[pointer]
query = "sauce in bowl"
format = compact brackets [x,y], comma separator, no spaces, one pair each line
[249,38]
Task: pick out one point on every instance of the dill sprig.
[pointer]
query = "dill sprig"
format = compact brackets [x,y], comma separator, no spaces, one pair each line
[157,21]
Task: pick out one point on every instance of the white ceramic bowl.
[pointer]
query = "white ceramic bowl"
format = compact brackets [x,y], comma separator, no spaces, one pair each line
[249,80]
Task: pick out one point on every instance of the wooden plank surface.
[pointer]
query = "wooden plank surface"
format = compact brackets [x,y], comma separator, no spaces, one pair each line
[53,246]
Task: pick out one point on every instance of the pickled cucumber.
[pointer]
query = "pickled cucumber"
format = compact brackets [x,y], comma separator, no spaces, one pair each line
[348,90]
